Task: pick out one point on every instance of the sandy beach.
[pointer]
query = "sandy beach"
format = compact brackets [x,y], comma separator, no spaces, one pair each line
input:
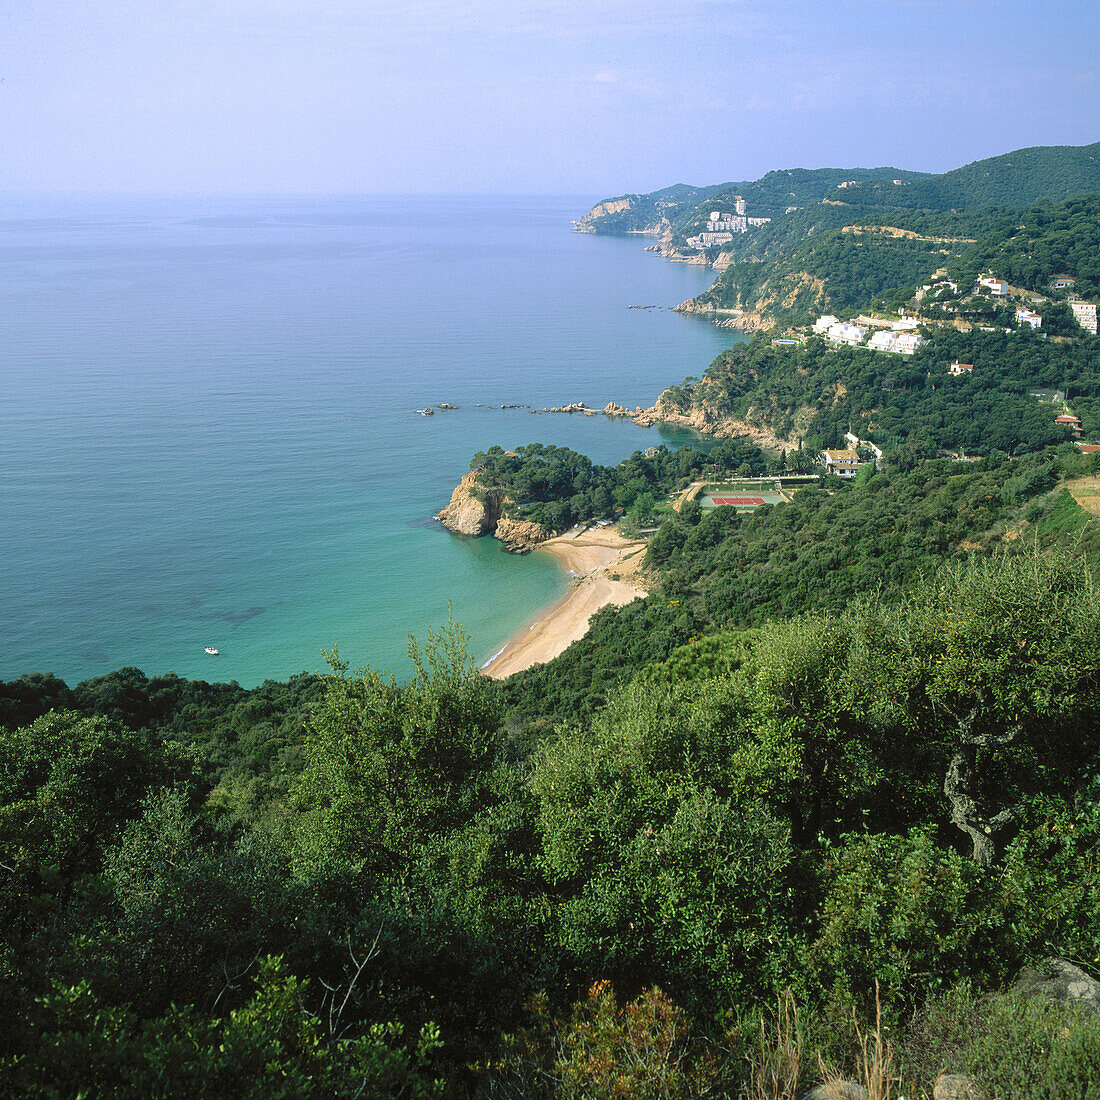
[591,557]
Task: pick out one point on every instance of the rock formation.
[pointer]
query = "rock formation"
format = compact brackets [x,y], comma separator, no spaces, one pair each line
[1063,982]
[474,511]
[471,512]
[520,536]
[707,421]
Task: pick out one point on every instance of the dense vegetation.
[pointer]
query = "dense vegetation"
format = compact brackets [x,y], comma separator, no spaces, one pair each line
[344,886]
[556,487]
[813,393]
[1019,178]
[824,550]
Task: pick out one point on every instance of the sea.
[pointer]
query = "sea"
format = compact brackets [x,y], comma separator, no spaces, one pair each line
[208,418]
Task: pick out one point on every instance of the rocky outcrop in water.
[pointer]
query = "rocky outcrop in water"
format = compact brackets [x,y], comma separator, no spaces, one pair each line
[474,510]
[520,536]
[708,421]
[744,320]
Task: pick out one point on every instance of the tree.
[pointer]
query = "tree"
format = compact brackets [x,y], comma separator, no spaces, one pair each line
[996,663]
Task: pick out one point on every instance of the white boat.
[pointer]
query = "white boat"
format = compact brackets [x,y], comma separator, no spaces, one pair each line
[211,650]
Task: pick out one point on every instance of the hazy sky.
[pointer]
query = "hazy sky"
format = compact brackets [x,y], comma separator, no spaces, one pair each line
[592,97]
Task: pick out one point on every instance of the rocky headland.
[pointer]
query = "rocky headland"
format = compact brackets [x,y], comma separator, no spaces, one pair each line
[474,510]
[706,420]
[744,320]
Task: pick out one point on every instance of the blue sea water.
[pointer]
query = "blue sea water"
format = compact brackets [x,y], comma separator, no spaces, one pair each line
[208,432]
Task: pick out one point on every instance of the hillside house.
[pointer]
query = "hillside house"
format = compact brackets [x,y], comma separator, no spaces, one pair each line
[1027,317]
[905,343]
[844,463]
[844,333]
[1067,420]
[958,369]
[997,287]
[883,340]
[823,324]
[1062,282]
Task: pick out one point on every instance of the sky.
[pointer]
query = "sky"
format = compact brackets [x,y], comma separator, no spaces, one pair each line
[580,97]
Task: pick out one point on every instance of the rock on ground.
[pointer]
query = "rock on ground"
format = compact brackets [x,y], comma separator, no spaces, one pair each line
[1060,981]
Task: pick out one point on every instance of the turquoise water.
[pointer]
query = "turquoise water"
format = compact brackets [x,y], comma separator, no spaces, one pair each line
[207,418]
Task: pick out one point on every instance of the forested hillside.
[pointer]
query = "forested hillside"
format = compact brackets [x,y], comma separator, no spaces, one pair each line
[347,887]
[829,249]
[811,394]
[838,262]
[1019,178]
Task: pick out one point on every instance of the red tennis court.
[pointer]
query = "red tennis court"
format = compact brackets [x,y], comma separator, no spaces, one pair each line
[739,502]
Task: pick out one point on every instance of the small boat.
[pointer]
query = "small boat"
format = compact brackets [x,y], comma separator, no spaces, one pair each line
[211,650]
[426,412]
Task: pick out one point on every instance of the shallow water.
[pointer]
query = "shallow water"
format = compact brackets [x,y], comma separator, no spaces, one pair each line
[207,418]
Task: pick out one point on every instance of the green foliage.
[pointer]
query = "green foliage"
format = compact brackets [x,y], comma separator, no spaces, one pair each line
[897,911]
[272,1046]
[1010,1046]
[387,764]
[556,487]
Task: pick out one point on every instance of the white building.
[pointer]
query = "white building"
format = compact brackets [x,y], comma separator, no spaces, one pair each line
[1084,313]
[883,340]
[739,205]
[823,324]
[842,463]
[1027,317]
[908,342]
[997,287]
[844,333]
[958,369]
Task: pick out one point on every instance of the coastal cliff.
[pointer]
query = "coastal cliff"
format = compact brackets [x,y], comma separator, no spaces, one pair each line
[709,420]
[744,320]
[474,510]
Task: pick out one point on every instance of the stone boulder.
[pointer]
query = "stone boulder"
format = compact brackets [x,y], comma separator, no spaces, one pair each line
[956,1086]
[836,1090]
[1060,981]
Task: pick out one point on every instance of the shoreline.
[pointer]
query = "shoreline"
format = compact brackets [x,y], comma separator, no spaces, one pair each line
[591,557]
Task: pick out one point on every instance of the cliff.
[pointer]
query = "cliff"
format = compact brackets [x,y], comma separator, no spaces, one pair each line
[474,510]
[744,320]
[708,420]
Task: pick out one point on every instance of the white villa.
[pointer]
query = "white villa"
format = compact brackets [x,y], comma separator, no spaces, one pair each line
[901,343]
[842,463]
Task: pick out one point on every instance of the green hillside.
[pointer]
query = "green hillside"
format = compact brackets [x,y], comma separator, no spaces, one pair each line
[348,887]
[1019,178]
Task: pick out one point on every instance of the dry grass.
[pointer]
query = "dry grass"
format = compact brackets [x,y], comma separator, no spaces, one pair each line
[775,1071]
[876,1069]
[1086,491]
